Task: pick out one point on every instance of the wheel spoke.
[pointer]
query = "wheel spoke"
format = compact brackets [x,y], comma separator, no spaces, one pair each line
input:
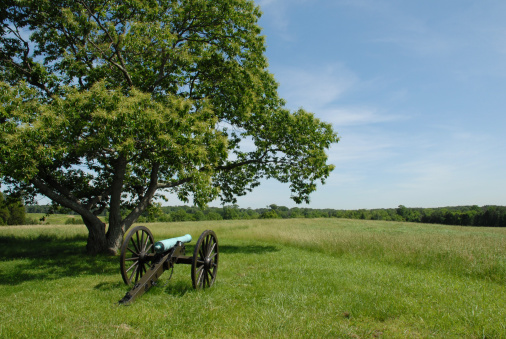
[134,271]
[199,279]
[134,264]
[211,250]
[132,259]
[134,245]
[206,281]
[149,247]
[207,242]
[144,246]
[137,241]
[137,273]
[133,252]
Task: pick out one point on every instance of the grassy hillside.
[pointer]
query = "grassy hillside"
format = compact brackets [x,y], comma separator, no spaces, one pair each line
[277,278]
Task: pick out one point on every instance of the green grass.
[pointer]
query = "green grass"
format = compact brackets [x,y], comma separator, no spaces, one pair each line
[305,278]
[53,219]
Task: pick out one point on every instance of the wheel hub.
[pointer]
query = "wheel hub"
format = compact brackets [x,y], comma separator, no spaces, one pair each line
[142,256]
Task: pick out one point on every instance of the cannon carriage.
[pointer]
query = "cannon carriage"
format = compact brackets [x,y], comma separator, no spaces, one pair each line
[142,260]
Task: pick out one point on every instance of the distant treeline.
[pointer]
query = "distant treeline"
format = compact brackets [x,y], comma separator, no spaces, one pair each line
[460,215]
[12,211]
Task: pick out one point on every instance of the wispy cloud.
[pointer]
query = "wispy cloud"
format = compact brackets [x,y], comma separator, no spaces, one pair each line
[320,89]
[353,116]
[276,13]
[367,5]
[427,44]
[403,28]
[316,87]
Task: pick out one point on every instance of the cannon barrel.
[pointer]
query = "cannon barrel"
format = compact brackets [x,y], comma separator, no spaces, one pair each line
[167,244]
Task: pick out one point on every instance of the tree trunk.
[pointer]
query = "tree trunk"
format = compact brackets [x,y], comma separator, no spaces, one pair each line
[96,237]
[115,236]
[116,224]
[100,242]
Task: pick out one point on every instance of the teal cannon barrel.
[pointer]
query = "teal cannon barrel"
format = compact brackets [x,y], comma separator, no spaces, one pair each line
[165,245]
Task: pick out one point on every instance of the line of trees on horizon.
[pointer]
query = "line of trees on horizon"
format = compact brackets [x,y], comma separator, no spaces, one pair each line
[492,216]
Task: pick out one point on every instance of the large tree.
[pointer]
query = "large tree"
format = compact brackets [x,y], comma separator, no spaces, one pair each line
[107,104]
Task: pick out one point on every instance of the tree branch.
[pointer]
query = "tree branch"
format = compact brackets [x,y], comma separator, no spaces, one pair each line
[220,168]
[29,76]
[117,51]
[146,200]
[62,200]
[92,202]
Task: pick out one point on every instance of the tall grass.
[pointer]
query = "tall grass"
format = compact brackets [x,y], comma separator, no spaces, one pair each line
[477,252]
[277,278]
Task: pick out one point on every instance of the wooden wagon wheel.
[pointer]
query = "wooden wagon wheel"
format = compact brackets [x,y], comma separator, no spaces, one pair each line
[135,254]
[205,260]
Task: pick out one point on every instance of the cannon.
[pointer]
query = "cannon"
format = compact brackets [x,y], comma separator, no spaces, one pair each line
[142,261]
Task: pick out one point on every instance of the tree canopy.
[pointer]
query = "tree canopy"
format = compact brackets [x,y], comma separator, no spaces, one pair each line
[111,104]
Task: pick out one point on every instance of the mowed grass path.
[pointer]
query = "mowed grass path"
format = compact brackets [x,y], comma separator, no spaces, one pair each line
[311,278]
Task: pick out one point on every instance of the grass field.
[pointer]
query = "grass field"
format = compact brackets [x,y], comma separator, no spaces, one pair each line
[54,219]
[310,278]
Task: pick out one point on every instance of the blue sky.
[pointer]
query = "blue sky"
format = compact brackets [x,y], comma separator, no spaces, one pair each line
[415,89]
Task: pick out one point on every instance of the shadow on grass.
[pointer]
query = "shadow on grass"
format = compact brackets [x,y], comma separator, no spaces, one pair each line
[178,288]
[248,249]
[49,257]
[107,286]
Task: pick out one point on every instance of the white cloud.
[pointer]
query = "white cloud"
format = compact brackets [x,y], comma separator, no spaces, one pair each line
[320,89]
[356,149]
[276,14]
[314,88]
[374,6]
[423,173]
[401,25]
[352,116]
[265,3]
[428,44]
